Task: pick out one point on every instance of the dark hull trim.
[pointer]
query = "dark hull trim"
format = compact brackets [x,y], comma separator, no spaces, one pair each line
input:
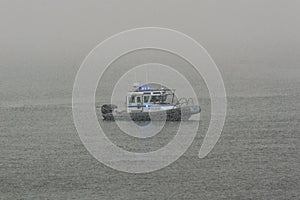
[176,114]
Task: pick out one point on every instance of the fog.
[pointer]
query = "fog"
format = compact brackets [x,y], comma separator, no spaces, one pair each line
[43,43]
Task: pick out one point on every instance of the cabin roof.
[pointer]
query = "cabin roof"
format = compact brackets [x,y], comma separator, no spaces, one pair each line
[152,92]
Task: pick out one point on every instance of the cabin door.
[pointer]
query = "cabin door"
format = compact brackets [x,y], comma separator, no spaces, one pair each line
[139,102]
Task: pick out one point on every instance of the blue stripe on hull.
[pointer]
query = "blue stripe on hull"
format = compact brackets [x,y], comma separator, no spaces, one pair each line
[150,105]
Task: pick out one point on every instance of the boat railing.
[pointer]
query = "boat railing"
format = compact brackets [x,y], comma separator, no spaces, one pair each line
[185,101]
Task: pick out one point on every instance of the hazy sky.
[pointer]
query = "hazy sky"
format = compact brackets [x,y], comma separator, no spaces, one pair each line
[44,42]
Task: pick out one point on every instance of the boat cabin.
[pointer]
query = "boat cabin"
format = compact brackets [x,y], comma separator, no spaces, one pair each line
[148,99]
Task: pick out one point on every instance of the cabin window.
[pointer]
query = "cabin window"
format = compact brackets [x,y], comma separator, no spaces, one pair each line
[132,99]
[155,99]
[164,98]
[146,99]
[168,99]
[138,99]
[161,99]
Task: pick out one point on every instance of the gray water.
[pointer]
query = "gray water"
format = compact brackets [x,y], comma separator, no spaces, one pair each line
[257,157]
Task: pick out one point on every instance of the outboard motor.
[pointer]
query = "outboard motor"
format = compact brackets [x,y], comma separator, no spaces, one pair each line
[108,108]
[107,111]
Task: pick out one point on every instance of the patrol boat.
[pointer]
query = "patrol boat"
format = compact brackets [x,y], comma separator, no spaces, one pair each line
[145,103]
